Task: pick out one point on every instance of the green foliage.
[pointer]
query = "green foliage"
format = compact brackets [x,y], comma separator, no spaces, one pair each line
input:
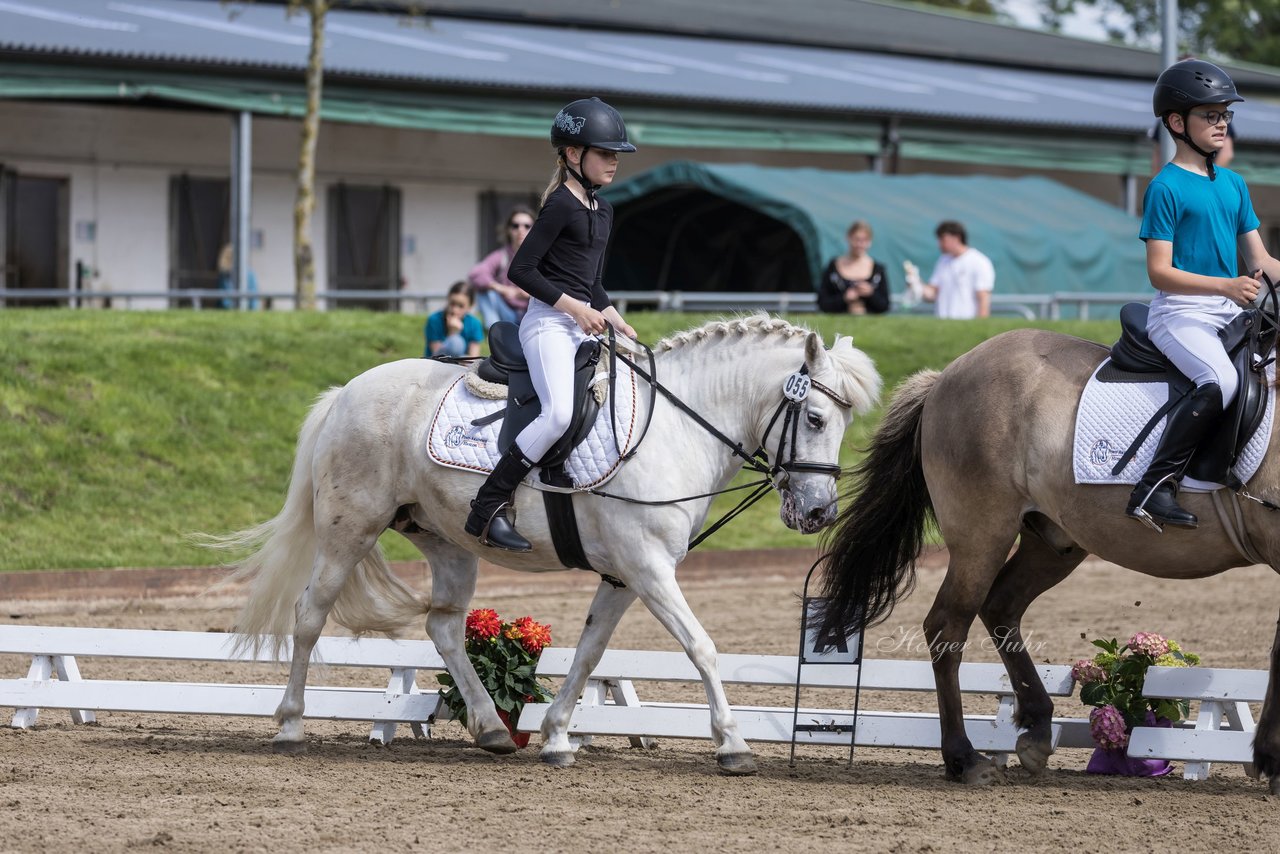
[122,433]
[1228,28]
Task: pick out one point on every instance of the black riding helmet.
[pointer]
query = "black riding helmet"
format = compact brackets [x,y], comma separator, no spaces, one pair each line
[591,123]
[1188,84]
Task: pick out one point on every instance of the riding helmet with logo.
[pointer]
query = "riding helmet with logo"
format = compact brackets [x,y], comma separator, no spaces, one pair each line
[1185,84]
[592,123]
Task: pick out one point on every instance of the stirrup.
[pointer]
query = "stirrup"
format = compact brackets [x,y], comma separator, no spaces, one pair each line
[484,532]
[1145,518]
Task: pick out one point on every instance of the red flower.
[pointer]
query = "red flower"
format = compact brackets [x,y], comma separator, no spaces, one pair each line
[534,636]
[483,624]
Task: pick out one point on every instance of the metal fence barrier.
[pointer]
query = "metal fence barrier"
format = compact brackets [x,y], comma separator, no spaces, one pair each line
[1053,306]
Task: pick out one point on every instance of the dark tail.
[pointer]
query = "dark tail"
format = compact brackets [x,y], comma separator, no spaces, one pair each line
[870,560]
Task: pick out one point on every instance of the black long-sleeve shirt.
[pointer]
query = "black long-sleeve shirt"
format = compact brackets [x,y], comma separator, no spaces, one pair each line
[832,287]
[564,251]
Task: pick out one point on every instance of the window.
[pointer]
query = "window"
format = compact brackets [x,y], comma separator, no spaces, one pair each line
[364,243]
[199,228]
[33,245]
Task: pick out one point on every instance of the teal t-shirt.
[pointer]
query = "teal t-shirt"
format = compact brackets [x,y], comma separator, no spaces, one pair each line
[1201,218]
[472,333]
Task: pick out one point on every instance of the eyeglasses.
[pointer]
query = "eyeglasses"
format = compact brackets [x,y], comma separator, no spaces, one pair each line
[1214,117]
[521,225]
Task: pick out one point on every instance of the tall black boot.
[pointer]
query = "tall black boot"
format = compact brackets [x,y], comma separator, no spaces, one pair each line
[1154,499]
[488,519]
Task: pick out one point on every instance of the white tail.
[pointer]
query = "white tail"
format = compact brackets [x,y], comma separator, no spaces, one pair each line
[373,599]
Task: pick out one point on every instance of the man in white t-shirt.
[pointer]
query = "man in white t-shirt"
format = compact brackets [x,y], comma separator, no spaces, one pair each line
[962,280]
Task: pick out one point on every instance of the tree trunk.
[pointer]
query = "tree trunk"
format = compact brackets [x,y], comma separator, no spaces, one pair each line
[304,204]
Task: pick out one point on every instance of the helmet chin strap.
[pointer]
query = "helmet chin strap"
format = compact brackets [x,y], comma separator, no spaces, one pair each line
[1209,156]
[591,193]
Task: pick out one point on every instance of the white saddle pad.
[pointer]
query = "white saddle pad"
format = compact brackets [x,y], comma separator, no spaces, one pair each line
[455,442]
[1112,415]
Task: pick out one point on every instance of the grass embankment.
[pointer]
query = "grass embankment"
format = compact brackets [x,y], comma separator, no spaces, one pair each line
[123,432]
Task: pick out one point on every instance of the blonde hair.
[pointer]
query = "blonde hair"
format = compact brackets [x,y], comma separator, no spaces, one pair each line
[558,176]
[860,225]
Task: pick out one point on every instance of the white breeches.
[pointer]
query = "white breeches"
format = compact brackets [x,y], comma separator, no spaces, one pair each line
[550,339]
[1190,340]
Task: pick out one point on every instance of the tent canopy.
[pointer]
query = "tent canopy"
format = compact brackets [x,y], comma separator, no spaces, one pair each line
[708,227]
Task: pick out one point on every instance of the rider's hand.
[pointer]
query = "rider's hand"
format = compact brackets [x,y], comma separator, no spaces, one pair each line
[1243,290]
[624,328]
[588,319]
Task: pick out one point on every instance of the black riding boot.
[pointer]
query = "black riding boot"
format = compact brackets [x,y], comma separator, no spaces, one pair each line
[1154,499]
[488,519]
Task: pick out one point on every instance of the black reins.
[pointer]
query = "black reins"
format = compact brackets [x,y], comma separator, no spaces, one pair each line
[795,391]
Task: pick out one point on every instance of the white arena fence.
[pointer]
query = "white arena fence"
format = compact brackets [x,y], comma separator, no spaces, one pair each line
[1051,306]
[610,704]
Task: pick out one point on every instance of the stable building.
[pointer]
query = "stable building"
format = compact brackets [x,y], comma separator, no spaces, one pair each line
[134,131]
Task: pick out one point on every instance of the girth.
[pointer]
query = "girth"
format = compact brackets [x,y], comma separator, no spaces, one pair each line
[1135,359]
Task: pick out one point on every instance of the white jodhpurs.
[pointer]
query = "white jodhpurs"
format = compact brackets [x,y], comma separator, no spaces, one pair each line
[550,339]
[1190,340]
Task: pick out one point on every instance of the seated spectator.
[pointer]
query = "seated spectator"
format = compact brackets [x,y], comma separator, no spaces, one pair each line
[454,330]
[855,283]
[496,297]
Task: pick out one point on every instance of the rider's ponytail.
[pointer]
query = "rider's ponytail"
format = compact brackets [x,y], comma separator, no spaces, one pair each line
[558,177]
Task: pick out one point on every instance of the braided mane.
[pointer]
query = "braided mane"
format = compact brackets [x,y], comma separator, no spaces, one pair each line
[760,323]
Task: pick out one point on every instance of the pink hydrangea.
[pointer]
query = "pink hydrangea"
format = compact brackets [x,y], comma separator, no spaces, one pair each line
[1085,671]
[1149,643]
[1106,725]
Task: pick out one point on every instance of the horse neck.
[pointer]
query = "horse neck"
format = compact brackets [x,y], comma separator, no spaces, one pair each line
[729,388]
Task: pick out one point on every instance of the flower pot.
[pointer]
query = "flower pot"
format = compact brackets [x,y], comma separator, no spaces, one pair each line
[1119,763]
[520,738]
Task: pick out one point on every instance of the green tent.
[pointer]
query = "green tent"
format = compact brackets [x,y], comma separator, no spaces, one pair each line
[710,227]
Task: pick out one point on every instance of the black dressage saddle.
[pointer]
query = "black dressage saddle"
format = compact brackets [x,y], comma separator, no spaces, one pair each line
[1135,359]
[506,365]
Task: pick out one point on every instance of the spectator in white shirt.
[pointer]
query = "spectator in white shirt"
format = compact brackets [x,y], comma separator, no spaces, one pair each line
[961,281]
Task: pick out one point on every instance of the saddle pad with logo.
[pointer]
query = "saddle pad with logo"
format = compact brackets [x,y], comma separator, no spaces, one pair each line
[455,442]
[1111,416]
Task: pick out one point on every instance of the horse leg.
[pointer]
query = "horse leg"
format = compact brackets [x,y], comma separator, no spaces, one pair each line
[607,608]
[453,583]
[1266,740]
[330,571]
[974,567]
[1044,558]
[661,594]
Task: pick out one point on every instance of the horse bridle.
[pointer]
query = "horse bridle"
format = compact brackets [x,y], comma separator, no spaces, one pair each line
[795,392]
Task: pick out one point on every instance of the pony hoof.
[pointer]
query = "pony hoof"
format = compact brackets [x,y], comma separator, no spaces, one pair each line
[288,748]
[737,764]
[558,759]
[981,774]
[1033,754]
[497,741]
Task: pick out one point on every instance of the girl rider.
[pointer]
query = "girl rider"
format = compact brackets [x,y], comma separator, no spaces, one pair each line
[1195,217]
[560,264]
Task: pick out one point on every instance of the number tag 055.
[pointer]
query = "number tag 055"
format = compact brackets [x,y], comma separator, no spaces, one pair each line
[796,388]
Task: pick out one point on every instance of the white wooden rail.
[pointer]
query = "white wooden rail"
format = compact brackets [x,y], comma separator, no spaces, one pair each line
[610,704]
[1224,727]
[54,650]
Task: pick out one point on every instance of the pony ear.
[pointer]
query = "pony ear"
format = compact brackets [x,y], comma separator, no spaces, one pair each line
[815,354]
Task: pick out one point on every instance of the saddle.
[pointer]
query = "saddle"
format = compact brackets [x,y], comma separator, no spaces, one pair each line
[1135,359]
[506,365]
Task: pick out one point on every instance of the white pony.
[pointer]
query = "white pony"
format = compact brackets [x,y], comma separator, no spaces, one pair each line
[362,464]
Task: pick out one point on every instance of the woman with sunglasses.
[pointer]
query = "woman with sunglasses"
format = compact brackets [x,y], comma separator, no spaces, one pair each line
[561,265]
[1196,217]
[496,297]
